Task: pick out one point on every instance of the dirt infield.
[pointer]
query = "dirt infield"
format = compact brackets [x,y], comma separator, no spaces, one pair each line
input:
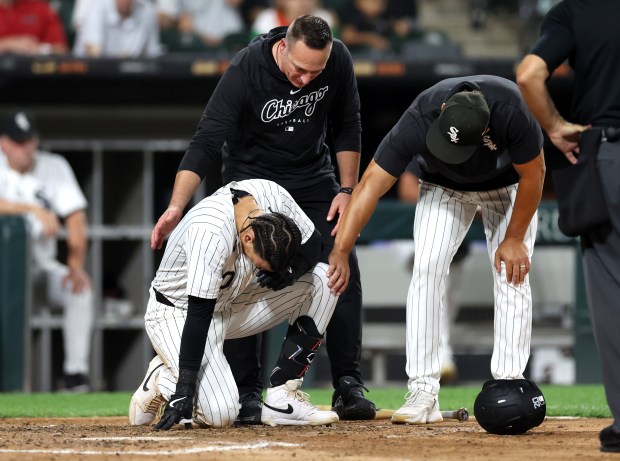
[111,438]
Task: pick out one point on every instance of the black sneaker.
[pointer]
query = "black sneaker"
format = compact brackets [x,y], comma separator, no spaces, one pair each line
[77,383]
[251,409]
[349,402]
[610,440]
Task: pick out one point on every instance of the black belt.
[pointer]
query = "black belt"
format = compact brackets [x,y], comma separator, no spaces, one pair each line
[237,194]
[610,134]
[162,299]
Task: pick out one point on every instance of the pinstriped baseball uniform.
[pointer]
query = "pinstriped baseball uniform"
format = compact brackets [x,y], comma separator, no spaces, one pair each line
[52,184]
[443,217]
[203,258]
[449,197]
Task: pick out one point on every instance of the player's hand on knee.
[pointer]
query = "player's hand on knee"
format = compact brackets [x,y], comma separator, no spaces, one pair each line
[178,411]
[338,272]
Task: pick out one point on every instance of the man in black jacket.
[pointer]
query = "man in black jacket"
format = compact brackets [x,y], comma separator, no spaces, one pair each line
[268,118]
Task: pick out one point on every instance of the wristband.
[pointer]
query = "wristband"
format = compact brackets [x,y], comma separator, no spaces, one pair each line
[186,385]
[346,190]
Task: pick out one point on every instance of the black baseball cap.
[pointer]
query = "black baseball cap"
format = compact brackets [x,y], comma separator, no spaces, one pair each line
[456,134]
[19,126]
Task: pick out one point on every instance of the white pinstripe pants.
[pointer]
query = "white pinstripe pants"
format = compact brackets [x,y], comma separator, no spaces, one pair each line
[253,311]
[78,314]
[442,219]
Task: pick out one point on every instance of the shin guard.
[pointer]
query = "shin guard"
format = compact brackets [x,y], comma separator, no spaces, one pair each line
[298,351]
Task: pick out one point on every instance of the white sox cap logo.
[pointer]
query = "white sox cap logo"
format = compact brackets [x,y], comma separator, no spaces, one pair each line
[22,121]
[538,401]
[453,134]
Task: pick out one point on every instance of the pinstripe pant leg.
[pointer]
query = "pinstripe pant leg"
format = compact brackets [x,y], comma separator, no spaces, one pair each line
[164,326]
[512,305]
[259,309]
[217,398]
[78,318]
[217,404]
[442,218]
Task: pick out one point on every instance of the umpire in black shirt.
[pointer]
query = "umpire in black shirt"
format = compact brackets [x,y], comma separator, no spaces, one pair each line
[586,33]
[268,118]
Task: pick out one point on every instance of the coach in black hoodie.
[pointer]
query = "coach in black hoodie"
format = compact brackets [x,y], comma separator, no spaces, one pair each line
[269,117]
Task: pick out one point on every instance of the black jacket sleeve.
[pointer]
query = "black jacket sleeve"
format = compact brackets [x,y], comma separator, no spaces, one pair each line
[307,255]
[222,113]
[345,116]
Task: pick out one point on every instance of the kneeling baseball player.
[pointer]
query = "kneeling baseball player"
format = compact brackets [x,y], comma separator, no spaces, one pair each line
[241,261]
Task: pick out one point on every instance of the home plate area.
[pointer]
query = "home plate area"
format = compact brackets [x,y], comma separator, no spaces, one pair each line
[112,438]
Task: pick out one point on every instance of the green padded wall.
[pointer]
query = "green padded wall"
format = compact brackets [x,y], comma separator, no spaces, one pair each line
[13,266]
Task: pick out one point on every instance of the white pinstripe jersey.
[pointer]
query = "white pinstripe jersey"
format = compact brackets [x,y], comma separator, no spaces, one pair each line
[203,256]
[50,184]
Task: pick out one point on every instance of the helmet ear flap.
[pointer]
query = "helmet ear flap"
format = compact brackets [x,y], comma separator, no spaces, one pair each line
[509,406]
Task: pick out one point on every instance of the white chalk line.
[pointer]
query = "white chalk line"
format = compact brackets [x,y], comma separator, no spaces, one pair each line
[184,451]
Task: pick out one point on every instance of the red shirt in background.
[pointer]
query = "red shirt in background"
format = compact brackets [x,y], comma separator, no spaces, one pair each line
[32,17]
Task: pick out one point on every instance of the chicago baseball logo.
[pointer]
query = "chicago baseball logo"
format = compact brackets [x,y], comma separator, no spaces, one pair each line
[488,142]
[538,401]
[453,134]
[278,108]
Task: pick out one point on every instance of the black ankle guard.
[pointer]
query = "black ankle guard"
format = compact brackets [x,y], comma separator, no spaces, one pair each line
[298,351]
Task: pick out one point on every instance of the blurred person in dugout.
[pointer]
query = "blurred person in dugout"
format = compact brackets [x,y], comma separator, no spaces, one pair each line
[30,27]
[408,190]
[42,186]
[283,12]
[204,22]
[378,25]
[116,29]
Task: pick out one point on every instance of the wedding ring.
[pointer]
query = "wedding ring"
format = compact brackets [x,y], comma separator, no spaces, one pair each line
[522,266]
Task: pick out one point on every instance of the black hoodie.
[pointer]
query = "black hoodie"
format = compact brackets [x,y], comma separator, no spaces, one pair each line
[264,127]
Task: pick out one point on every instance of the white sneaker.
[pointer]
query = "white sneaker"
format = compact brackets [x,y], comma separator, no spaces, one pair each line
[286,405]
[420,408]
[146,403]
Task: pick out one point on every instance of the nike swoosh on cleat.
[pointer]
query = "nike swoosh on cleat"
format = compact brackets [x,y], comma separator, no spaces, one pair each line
[177,400]
[295,91]
[144,388]
[287,411]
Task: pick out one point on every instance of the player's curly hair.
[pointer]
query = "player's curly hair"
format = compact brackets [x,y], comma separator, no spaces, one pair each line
[277,239]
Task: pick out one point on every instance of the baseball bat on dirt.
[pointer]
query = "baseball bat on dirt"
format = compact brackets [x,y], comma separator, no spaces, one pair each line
[462,414]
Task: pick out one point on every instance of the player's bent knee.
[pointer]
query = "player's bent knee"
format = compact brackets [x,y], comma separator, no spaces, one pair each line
[220,421]
[224,417]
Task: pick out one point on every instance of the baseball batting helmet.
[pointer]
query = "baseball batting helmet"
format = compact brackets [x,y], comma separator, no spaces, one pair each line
[509,406]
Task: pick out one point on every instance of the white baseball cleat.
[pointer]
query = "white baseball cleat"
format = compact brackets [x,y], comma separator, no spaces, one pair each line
[420,408]
[146,403]
[286,405]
